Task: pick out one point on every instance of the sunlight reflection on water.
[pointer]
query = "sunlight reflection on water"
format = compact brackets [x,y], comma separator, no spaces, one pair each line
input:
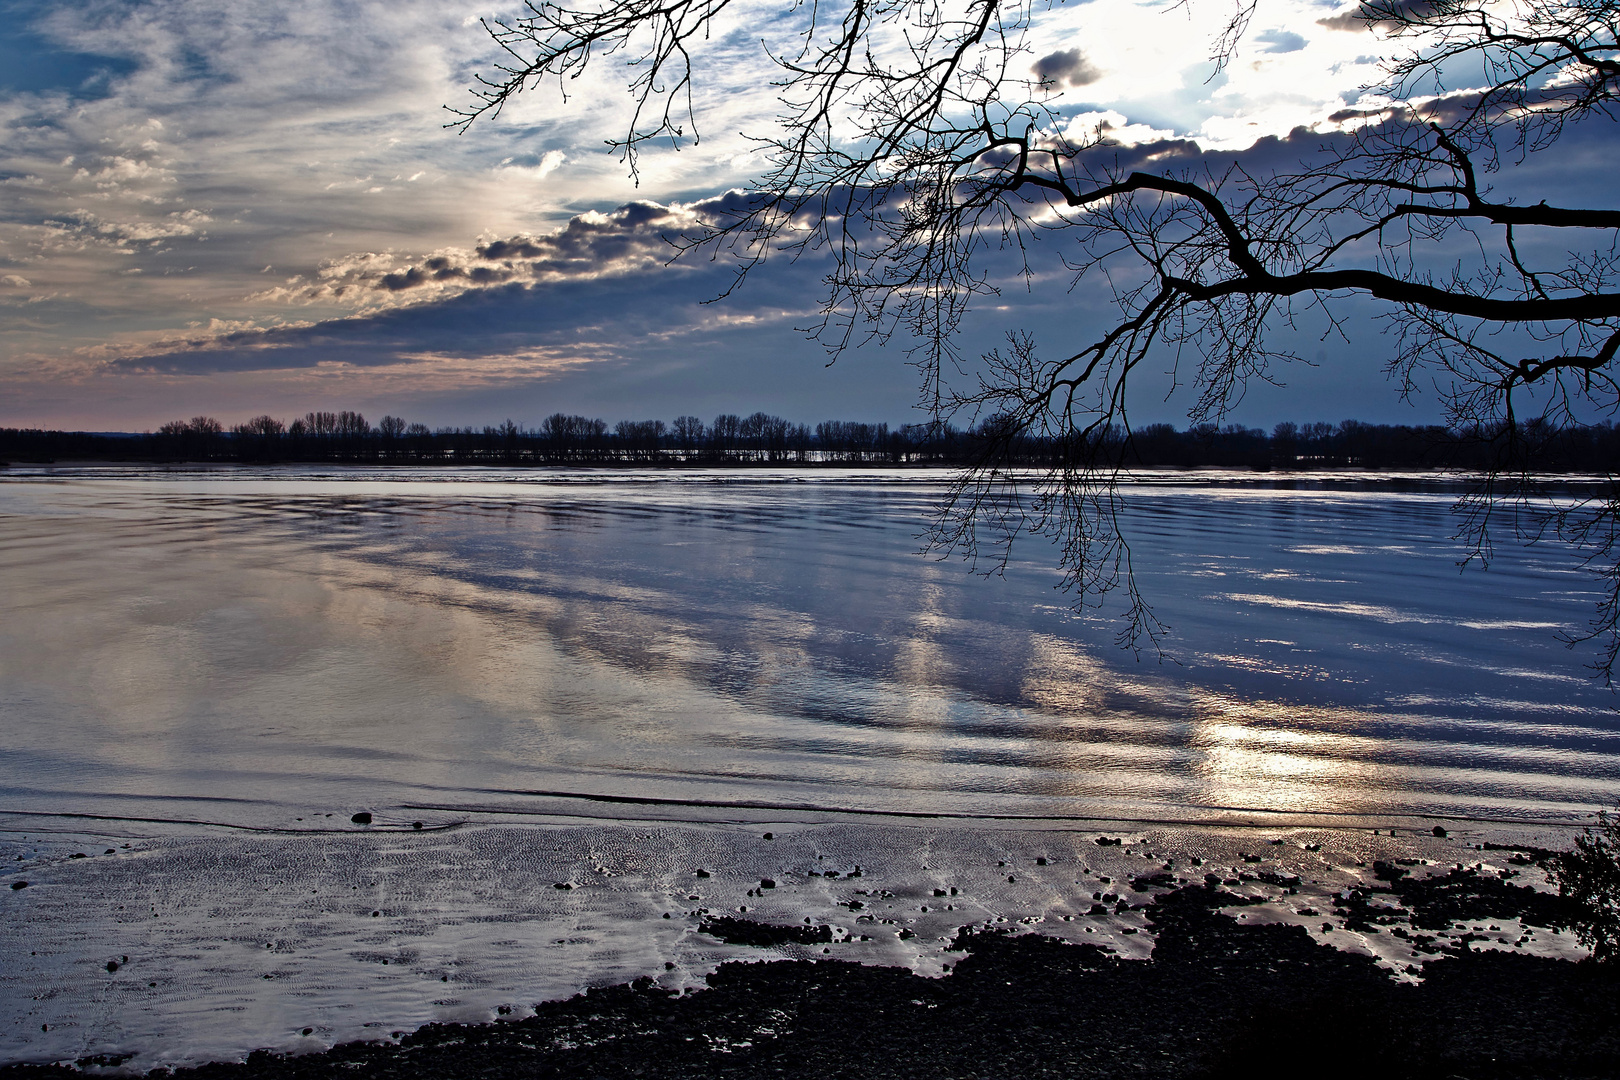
[260,646]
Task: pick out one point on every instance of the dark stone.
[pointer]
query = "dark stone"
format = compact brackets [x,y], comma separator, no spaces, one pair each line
[15,885]
[112,965]
[562,885]
[104,1061]
[939,892]
[736,931]
[702,873]
[1439,831]
[1384,871]
[1040,861]
[770,836]
[416,824]
[1272,877]
[362,818]
[308,1031]
[1109,841]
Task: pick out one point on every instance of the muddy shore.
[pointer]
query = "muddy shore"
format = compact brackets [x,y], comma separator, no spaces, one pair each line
[1217,998]
[1174,954]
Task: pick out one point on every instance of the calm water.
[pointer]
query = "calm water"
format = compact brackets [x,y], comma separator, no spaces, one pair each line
[261,647]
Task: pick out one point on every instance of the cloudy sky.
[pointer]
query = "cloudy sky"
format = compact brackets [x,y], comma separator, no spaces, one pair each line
[215,207]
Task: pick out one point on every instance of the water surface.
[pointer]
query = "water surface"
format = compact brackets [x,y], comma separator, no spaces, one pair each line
[264,647]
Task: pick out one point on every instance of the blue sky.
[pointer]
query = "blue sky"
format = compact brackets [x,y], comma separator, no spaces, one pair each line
[212,207]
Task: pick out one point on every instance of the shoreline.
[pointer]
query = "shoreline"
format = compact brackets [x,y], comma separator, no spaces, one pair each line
[1217,998]
[300,945]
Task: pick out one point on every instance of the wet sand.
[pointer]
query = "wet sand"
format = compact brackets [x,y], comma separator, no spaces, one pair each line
[927,948]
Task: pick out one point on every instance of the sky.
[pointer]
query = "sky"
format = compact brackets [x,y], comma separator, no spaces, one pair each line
[209,207]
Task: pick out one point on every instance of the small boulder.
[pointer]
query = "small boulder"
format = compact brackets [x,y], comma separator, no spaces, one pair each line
[362,818]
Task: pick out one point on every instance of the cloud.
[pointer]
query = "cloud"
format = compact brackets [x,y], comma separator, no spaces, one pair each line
[533,167]
[79,229]
[596,286]
[634,237]
[1068,67]
[16,281]
[1280,41]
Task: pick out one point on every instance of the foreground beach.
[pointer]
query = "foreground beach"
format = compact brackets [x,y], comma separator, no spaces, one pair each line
[899,949]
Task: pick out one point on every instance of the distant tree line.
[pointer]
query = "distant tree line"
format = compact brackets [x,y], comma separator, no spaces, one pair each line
[762,439]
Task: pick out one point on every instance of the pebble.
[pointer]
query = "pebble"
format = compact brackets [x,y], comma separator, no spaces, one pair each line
[19,885]
[362,818]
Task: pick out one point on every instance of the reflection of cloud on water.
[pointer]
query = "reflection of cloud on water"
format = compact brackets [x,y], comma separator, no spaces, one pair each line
[1261,666]
[1353,549]
[1384,614]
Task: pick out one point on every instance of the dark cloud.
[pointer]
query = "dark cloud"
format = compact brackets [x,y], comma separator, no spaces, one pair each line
[516,248]
[633,237]
[1384,14]
[1067,67]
